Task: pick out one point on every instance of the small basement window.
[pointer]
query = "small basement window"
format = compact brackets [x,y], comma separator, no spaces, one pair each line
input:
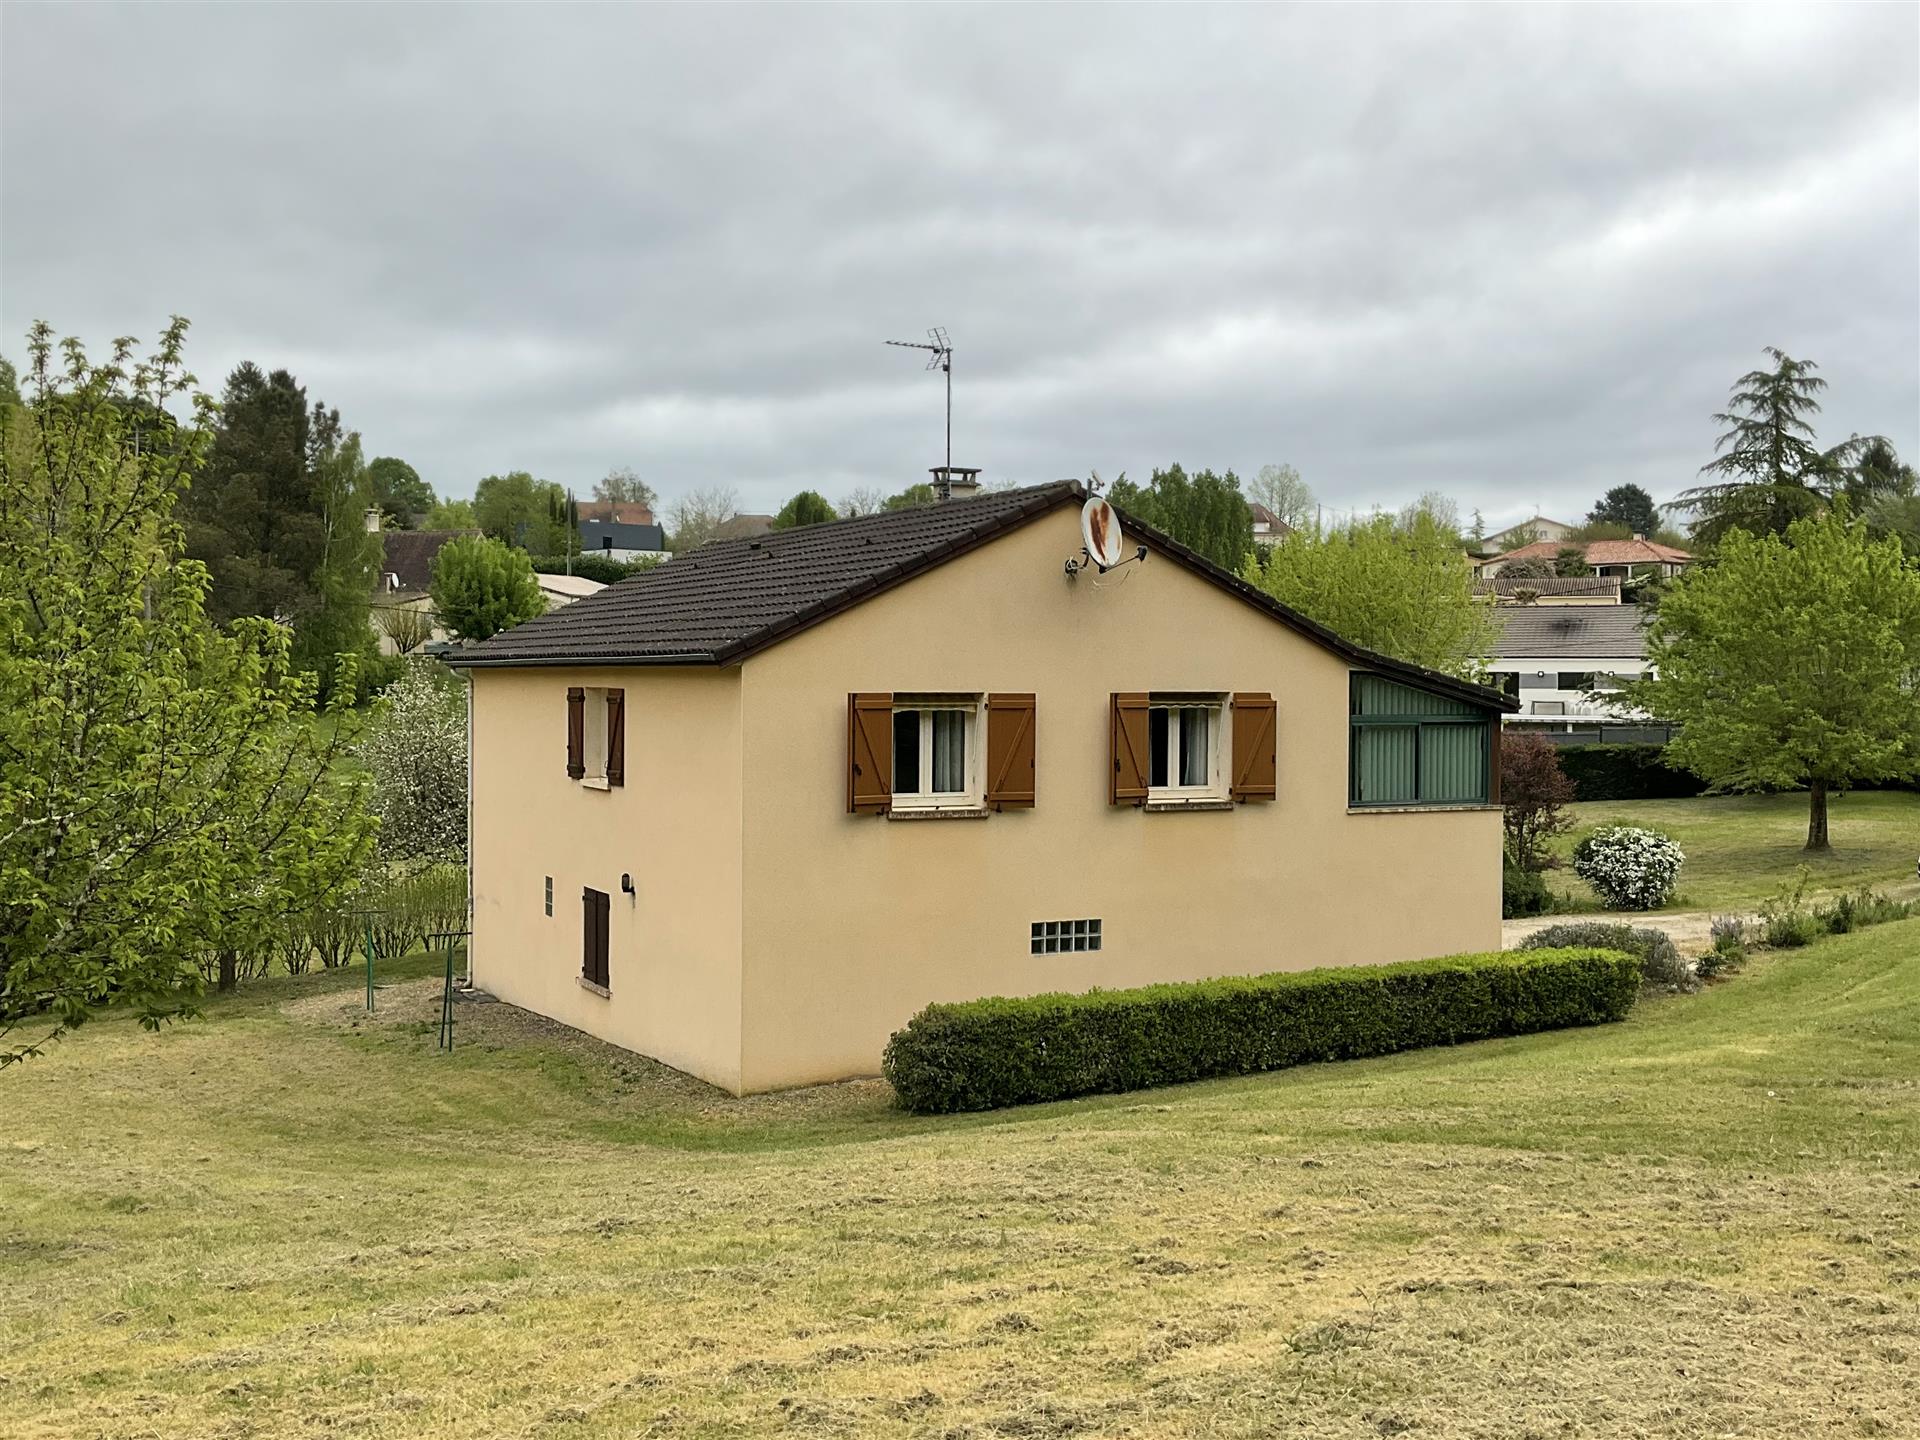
[1184,734]
[1412,747]
[1059,937]
[936,760]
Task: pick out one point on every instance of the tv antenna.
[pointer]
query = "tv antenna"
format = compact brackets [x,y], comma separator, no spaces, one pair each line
[939,358]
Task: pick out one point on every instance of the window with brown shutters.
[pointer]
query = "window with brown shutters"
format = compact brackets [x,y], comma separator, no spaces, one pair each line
[869,754]
[1127,743]
[576,732]
[1254,724]
[594,908]
[616,737]
[1010,742]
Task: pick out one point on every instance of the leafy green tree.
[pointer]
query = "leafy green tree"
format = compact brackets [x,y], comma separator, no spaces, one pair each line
[907,499]
[1768,471]
[451,515]
[1405,593]
[1570,562]
[482,586]
[517,509]
[1629,507]
[1532,567]
[1899,517]
[809,507]
[1205,512]
[592,565]
[337,618]
[166,800]
[623,485]
[1438,508]
[403,497]
[1791,661]
[1281,490]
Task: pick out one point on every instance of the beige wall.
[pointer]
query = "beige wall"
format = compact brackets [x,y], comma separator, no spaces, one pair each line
[852,923]
[675,826]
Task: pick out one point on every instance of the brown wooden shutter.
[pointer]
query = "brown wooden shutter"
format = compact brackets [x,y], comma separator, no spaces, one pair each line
[616,737]
[1493,758]
[1253,747]
[594,906]
[576,732]
[1010,735]
[869,754]
[1129,745]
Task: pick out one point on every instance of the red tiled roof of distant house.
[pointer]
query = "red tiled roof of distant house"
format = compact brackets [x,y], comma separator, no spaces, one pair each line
[1603,552]
[616,512]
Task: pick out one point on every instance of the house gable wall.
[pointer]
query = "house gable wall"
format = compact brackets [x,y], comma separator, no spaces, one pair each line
[674,826]
[851,923]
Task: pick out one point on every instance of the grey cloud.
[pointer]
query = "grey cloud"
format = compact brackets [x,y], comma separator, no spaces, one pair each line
[1517,255]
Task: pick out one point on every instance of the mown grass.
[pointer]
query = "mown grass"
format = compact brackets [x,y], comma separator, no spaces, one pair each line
[287,1220]
[1741,849]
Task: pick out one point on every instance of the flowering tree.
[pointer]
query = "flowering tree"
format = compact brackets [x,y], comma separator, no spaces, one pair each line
[416,753]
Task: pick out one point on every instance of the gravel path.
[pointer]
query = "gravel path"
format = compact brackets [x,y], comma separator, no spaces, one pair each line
[1690,930]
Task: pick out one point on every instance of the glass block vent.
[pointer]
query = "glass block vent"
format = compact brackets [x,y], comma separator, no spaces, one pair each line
[1058,937]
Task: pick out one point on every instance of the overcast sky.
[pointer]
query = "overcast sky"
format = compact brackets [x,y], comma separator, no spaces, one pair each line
[1512,254]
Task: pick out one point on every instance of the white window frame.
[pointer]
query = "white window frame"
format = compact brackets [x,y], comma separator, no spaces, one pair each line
[968,797]
[1216,786]
[593,739]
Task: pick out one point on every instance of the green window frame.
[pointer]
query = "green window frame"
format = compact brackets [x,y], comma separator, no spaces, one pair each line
[1409,747]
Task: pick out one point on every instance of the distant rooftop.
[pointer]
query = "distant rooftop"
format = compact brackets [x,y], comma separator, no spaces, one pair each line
[1571,632]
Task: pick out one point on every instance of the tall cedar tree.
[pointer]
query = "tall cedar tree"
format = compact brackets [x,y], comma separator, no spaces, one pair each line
[1534,792]
[1205,512]
[1629,507]
[1768,472]
[1792,661]
[166,800]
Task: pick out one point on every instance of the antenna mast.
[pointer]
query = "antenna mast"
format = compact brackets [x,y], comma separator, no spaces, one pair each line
[940,358]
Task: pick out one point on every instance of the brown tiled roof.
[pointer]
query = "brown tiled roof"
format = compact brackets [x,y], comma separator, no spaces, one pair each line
[743,527]
[731,598]
[1603,552]
[409,555]
[616,512]
[1571,632]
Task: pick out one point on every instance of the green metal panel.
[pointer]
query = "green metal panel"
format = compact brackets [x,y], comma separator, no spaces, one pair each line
[1387,757]
[1453,764]
[1375,695]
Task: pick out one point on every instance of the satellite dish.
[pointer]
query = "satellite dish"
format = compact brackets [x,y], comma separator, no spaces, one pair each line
[1100,529]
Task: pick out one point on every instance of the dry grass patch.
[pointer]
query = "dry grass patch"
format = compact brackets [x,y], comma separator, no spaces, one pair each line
[286,1220]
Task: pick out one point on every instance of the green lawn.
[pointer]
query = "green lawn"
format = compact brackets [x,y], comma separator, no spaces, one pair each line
[1742,848]
[285,1220]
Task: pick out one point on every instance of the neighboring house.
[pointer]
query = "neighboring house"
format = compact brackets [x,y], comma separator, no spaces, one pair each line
[1268,528]
[1615,559]
[743,527]
[622,540]
[565,589]
[1556,590]
[406,575]
[1549,657]
[617,512]
[750,811]
[1538,528]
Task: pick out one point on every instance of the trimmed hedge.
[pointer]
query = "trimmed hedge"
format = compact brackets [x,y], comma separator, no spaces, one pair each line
[983,1054]
[1625,772]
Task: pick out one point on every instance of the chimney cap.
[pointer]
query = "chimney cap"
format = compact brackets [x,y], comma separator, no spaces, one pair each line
[949,478]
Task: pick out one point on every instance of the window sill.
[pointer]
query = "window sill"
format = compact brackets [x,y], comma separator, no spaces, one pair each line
[1416,809]
[1210,802]
[974,812]
[595,782]
[602,991]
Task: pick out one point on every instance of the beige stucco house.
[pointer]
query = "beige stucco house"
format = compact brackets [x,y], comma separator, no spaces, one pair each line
[748,812]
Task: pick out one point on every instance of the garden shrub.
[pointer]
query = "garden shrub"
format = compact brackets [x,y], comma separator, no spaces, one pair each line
[1729,949]
[982,1054]
[1629,867]
[1661,966]
[1522,892]
[1626,772]
[1858,909]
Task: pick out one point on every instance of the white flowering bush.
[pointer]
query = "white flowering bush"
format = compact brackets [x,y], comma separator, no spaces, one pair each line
[1628,867]
[416,751]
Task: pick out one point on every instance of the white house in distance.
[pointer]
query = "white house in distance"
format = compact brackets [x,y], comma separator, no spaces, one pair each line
[1537,528]
[1550,657]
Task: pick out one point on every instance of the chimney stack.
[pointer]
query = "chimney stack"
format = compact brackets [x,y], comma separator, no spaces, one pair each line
[374,525]
[955,482]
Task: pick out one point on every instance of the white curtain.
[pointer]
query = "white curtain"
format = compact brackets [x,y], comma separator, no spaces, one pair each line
[949,752]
